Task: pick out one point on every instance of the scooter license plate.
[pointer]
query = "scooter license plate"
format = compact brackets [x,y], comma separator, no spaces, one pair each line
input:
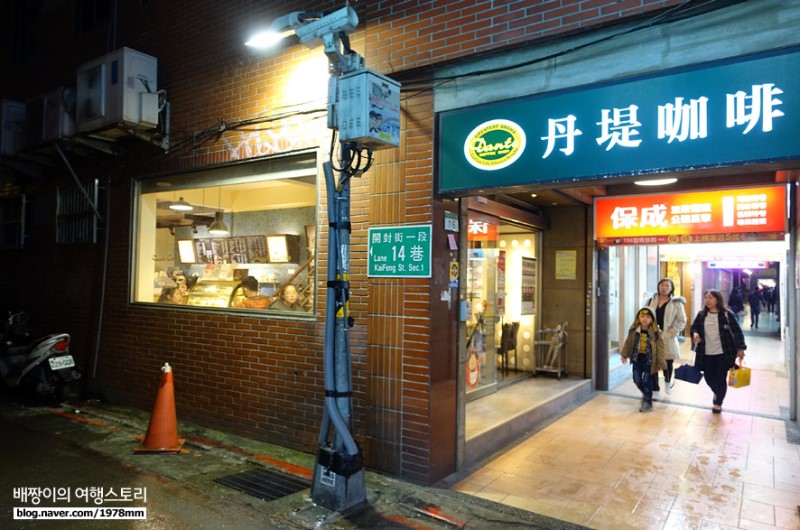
[64,361]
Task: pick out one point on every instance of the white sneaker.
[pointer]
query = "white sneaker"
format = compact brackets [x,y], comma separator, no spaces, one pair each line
[668,387]
[656,396]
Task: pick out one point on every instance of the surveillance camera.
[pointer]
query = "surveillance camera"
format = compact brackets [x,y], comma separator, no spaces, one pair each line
[344,20]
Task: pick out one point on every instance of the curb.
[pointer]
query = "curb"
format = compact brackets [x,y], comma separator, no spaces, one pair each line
[209,454]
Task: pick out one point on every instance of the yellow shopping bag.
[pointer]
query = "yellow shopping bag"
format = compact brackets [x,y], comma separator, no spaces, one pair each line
[739,378]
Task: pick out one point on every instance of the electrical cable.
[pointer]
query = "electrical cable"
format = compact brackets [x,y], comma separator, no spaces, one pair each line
[199,138]
[426,85]
[416,87]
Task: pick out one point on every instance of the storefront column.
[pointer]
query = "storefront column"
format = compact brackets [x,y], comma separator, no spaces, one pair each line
[461,343]
[601,321]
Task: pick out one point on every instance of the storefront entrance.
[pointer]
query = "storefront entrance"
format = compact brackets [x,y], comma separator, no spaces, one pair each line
[701,132]
[726,267]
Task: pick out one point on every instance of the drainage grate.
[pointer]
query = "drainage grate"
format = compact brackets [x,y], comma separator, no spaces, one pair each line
[264,484]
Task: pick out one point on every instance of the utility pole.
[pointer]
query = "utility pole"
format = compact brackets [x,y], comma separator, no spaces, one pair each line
[364,109]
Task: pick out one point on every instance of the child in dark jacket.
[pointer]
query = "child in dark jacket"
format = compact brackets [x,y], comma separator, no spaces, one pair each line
[646,348]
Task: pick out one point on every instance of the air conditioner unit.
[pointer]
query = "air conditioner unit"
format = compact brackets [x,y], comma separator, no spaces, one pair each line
[116,91]
[50,116]
[12,133]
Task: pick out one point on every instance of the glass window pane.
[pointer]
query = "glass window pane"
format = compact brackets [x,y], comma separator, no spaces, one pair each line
[238,238]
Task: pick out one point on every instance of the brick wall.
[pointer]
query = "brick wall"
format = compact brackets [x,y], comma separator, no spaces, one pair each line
[263,376]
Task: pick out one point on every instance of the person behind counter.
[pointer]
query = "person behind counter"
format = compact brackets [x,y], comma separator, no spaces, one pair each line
[252,298]
[288,300]
[170,295]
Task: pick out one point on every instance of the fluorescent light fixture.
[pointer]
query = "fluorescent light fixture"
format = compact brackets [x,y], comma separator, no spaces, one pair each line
[747,265]
[656,182]
[218,227]
[181,206]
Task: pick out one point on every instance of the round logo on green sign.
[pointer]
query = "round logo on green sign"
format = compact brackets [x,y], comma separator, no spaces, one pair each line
[494,144]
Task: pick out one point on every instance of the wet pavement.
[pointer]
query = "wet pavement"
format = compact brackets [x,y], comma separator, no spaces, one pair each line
[81,448]
[34,459]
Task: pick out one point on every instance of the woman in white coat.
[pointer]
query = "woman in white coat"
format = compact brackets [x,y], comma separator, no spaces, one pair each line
[671,319]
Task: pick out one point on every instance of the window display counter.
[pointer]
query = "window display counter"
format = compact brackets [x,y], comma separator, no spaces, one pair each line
[215,293]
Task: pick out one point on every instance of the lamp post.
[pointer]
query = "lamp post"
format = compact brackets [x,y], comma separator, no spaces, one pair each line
[338,478]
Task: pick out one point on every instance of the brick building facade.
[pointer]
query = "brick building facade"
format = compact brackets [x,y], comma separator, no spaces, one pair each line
[261,375]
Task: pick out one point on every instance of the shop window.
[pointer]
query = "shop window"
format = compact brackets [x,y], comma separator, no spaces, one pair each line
[240,238]
[502,288]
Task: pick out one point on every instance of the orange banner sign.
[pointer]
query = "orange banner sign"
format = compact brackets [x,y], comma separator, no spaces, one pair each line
[740,214]
[481,231]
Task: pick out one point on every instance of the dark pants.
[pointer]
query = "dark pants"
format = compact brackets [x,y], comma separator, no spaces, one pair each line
[642,377]
[715,372]
[754,317]
[667,376]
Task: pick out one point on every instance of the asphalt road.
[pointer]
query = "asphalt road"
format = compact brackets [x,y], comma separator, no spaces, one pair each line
[30,459]
[90,444]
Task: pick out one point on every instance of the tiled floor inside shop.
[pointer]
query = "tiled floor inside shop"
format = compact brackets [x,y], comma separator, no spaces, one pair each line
[606,465]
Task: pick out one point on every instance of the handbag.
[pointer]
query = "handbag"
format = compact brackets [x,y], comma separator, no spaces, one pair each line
[739,376]
[688,373]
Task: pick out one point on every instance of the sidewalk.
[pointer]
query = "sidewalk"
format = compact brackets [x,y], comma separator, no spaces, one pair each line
[607,466]
[208,455]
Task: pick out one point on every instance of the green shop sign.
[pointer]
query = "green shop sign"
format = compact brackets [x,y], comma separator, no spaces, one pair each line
[741,111]
[399,252]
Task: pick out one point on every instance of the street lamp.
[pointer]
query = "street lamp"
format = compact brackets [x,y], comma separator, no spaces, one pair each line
[356,96]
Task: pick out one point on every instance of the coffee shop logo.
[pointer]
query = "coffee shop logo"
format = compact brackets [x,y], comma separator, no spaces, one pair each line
[494,144]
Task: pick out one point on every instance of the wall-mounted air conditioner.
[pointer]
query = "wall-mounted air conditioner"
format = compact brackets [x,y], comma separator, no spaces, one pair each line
[50,116]
[12,133]
[118,89]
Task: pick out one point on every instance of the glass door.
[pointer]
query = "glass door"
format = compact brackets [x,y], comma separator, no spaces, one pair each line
[482,325]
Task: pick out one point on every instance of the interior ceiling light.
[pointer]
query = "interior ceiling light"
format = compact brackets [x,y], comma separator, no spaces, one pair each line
[534,195]
[218,227]
[181,206]
[656,182]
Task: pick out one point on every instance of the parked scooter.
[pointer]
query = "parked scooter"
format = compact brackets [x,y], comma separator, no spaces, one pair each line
[41,367]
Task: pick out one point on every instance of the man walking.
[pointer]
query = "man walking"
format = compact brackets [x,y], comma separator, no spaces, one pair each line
[756,300]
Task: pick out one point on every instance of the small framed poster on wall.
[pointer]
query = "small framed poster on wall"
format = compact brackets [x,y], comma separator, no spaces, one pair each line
[529,273]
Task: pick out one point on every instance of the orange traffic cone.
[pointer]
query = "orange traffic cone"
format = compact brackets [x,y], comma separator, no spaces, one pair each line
[162,431]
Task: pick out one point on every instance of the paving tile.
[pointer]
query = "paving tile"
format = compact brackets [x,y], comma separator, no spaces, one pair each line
[606,466]
[758,512]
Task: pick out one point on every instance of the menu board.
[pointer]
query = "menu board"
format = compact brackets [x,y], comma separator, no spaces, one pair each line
[204,252]
[245,249]
[256,249]
[237,250]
